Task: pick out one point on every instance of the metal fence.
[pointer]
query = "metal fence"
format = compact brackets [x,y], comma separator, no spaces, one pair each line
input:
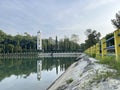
[103,48]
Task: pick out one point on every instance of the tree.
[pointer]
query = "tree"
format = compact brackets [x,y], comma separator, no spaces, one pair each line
[82,47]
[56,43]
[45,45]
[61,44]
[116,22]
[17,49]
[9,48]
[28,43]
[92,37]
[18,43]
[88,31]
[74,38]
[66,44]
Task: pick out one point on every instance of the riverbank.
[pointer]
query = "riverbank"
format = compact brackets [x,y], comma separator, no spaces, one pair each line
[87,74]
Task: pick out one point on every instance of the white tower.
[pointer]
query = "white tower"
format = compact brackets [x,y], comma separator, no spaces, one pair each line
[39,41]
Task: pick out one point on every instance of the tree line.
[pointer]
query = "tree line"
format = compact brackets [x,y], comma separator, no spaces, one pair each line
[63,45]
[27,43]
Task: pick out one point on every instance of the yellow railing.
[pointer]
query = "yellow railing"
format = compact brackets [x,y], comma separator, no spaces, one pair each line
[101,47]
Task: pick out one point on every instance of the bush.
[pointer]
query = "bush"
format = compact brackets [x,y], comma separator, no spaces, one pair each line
[69,81]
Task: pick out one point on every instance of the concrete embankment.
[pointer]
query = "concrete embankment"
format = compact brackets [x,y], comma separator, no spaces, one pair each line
[86,74]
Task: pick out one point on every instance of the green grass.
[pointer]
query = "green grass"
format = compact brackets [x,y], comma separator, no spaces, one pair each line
[69,81]
[101,77]
[111,62]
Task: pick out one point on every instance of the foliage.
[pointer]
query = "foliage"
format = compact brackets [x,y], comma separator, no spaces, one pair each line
[92,38]
[116,22]
[56,43]
[74,38]
[93,55]
[69,81]
[27,43]
[102,76]
[109,35]
[110,60]
[66,45]
[18,43]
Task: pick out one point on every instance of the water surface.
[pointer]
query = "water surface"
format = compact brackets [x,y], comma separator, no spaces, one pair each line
[31,74]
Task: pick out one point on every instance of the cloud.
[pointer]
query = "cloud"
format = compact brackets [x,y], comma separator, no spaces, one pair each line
[93,4]
[56,17]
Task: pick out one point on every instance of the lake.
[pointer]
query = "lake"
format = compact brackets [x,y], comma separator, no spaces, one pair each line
[31,73]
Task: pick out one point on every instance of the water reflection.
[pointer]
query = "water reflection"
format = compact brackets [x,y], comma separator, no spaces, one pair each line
[24,67]
[39,68]
[31,74]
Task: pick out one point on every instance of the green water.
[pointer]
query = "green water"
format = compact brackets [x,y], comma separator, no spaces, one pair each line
[26,74]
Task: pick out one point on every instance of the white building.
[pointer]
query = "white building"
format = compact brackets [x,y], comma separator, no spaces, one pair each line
[39,41]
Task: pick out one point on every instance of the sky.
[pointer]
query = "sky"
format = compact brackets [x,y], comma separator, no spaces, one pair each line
[58,17]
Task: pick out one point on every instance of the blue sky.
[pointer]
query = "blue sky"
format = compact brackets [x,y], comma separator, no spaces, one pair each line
[57,17]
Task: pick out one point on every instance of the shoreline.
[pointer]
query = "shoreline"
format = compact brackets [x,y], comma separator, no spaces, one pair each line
[86,74]
[62,75]
[55,81]
[59,77]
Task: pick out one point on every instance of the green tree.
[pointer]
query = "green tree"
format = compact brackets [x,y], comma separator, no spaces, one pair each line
[17,49]
[56,43]
[18,43]
[92,37]
[9,48]
[82,47]
[116,22]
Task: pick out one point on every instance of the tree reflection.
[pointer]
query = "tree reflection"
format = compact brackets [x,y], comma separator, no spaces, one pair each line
[24,67]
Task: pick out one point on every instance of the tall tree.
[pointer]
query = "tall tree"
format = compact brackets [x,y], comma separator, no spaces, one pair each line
[116,22]
[56,43]
[92,37]
[75,38]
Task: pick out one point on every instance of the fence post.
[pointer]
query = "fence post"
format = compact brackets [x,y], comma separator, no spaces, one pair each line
[103,45]
[88,50]
[117,43]
[91,50]
[97,49]
[94,49]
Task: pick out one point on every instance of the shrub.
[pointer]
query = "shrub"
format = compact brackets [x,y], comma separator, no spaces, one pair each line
[69,81]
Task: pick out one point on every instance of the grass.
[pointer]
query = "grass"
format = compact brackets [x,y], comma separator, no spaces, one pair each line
[111,62]
[100,77]
[69,81]
[103,76]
